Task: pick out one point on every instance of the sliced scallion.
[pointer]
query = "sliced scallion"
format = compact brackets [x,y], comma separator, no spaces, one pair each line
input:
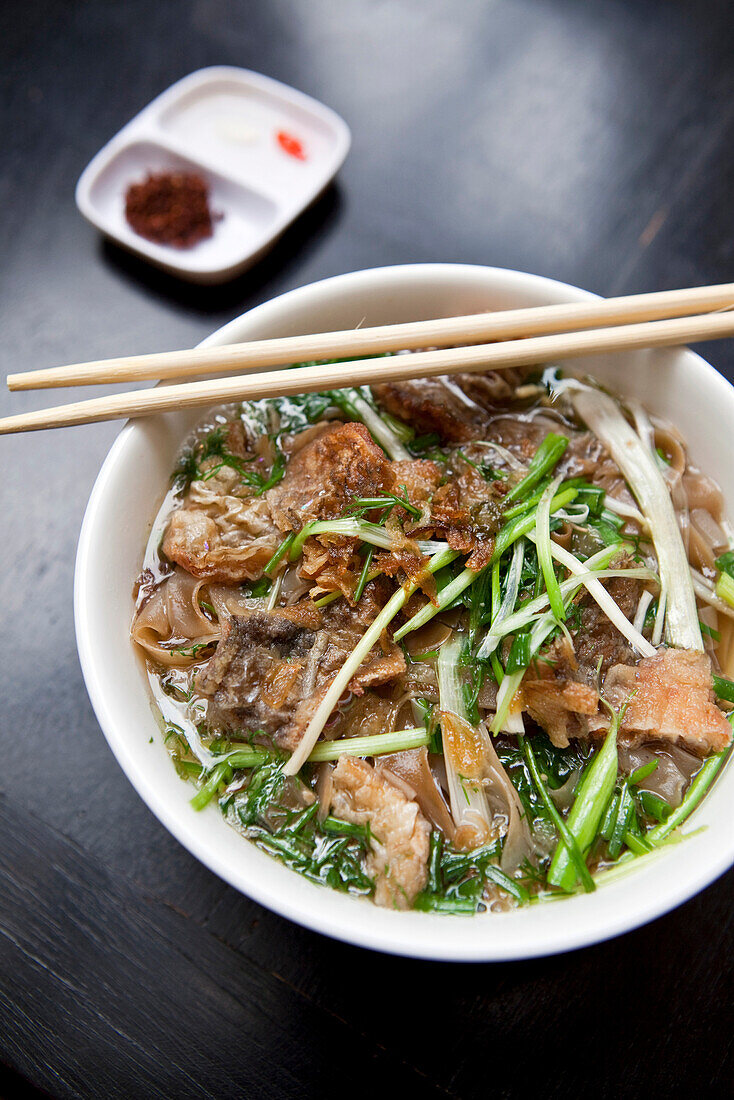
[544,460]
[351,665]
[585,816]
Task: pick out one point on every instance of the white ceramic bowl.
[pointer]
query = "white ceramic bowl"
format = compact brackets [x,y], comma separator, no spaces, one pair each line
[129,489]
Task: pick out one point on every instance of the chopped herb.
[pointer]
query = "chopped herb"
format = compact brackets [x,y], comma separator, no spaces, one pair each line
[214,445]
[364,576]
[457,880]
[385,500]
[192,650]
[422,444]
[725,563]
[487,472]
[330,852]
[260,588]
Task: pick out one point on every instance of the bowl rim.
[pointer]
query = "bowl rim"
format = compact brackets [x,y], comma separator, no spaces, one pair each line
[379,929]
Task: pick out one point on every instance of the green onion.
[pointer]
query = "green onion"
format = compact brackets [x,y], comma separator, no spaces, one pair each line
[373,533]
[600,595]
[625,809]
[437,903]
[205,794]
[593,497]
[519,655]
[641,471]
[725,563]
[637,844]
[610,816]
[351,401]
[459,584]
[724,688]
[583,821]
[279,554]
[545,555]
[702,780]
[567,837]
[725,589]
[529,611]
[642,772]
[525,505]
[544,460]
[351,665]
[364,575]
[368,504]
[654,806]
[496,599]
[324,601]
[497,669]
[467,796]
[435,878]
[374,745]
[446,596]
[515,530]
[260,588]
[494,874]
[508,687]
[403,431]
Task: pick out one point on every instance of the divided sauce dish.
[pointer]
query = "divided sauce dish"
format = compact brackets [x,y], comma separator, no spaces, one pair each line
[265,150]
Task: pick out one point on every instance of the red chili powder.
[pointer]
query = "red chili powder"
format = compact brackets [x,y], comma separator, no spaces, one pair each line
[170,208]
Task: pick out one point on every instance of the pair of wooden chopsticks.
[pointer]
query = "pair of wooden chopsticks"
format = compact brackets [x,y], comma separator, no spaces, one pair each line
[488,341]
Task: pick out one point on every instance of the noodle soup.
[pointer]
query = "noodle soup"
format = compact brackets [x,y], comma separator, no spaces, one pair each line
[448,644]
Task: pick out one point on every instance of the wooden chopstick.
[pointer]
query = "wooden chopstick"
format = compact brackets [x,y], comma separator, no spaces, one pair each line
[513,353]
[477,328]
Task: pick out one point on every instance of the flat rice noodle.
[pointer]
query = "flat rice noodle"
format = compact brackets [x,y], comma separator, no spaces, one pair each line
[671,446]
[703,492]
[413,768]
[518,843]
[173,616]
[675,766]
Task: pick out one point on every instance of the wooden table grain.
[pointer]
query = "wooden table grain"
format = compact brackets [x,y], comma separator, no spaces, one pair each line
[592,142]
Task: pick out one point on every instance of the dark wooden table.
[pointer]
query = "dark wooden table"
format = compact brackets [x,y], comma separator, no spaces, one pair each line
[593,142]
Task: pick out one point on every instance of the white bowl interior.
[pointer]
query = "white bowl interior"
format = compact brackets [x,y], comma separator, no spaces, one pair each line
[674,383]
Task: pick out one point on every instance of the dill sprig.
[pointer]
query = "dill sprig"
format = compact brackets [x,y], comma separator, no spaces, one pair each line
[192,465]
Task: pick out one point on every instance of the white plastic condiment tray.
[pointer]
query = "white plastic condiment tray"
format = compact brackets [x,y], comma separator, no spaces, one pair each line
[224,124]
